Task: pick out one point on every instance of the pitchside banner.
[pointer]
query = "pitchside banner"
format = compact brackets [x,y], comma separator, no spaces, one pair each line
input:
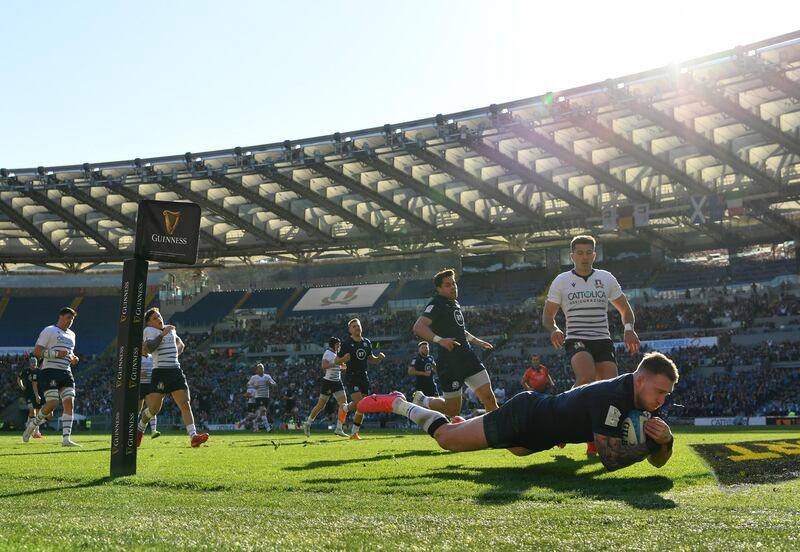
[165,231]
[168,231]
[345,297]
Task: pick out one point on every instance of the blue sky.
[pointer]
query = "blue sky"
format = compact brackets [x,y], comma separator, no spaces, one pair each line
[104,81]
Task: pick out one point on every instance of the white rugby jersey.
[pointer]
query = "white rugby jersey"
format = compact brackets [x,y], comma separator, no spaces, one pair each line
[334,373]
[166,355]
[585,302]
[54,339]
[146,369]
[261,385]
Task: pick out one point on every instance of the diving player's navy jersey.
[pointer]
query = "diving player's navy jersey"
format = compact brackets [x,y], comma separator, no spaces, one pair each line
[447,320]
[359,351]
[538,422]
[423,364]
[598,407]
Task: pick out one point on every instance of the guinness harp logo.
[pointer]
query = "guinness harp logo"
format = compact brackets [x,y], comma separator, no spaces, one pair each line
[171,219]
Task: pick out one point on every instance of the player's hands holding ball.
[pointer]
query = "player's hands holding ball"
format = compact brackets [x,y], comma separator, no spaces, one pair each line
[557,338]
[658,430]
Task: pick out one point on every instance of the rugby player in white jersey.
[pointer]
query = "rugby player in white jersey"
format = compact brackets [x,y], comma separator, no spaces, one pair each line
[261,383]
[164,344]
[583,294]
[145,375]
[252,411]
[330,384]
[55,347]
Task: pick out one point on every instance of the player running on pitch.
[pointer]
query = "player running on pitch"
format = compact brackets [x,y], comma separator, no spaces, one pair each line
[583,295]
[330,384]
[423,367]
[165,346]
[261,382]
[145,375]
[358,349]
[443,323]
[27,380]
[55,347]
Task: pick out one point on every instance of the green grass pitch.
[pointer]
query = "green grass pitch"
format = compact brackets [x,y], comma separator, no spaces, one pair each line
[391,491]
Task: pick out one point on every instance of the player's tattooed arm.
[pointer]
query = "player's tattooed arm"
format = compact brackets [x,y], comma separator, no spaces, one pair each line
[616,455]
[151,345]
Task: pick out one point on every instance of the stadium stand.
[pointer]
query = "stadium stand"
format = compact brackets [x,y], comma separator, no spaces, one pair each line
[24,317]
[210,309]
[96,324]
[753,370]
[268,299]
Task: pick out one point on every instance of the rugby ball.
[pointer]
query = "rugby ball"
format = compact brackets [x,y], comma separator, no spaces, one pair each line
[633,427]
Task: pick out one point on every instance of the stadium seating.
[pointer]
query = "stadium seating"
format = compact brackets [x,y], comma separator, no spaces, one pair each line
[752,375]
[267,299]
[96,323]
[209,310]
[25,317]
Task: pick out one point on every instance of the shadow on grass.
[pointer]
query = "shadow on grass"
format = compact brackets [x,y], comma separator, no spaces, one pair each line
[379,457]
[306,442]
[510,484]
[65,450]
[84,485]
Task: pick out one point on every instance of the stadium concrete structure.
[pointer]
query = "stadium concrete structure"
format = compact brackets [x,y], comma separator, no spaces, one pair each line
[679,145]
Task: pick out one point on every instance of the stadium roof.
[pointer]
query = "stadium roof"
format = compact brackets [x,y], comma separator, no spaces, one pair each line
[517,176]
